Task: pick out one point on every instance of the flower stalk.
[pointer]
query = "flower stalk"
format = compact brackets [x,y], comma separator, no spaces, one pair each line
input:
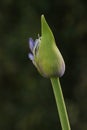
[60,104]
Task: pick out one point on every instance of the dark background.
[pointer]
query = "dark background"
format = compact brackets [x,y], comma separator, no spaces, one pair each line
[26,99]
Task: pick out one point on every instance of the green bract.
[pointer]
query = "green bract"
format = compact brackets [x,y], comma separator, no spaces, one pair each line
[46,56]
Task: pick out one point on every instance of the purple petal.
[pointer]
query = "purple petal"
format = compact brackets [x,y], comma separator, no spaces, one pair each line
[30,56]
[31,44]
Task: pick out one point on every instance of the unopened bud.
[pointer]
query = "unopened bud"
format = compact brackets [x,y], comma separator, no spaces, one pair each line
[45,54]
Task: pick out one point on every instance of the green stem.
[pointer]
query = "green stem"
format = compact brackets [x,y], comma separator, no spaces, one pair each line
[60,104]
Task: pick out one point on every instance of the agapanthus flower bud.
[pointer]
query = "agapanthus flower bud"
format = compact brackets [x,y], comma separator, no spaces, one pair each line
[45,54]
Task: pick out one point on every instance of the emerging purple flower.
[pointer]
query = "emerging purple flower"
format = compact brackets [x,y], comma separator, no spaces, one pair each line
[33,45]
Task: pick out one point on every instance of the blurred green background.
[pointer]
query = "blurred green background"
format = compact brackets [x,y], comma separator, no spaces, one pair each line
[26,99]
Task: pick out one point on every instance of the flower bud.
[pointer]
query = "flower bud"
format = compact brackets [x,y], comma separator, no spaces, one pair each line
[45,54]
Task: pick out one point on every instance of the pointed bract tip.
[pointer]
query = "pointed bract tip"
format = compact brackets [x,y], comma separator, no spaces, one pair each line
[42,16]
[44,25]
[42,19]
